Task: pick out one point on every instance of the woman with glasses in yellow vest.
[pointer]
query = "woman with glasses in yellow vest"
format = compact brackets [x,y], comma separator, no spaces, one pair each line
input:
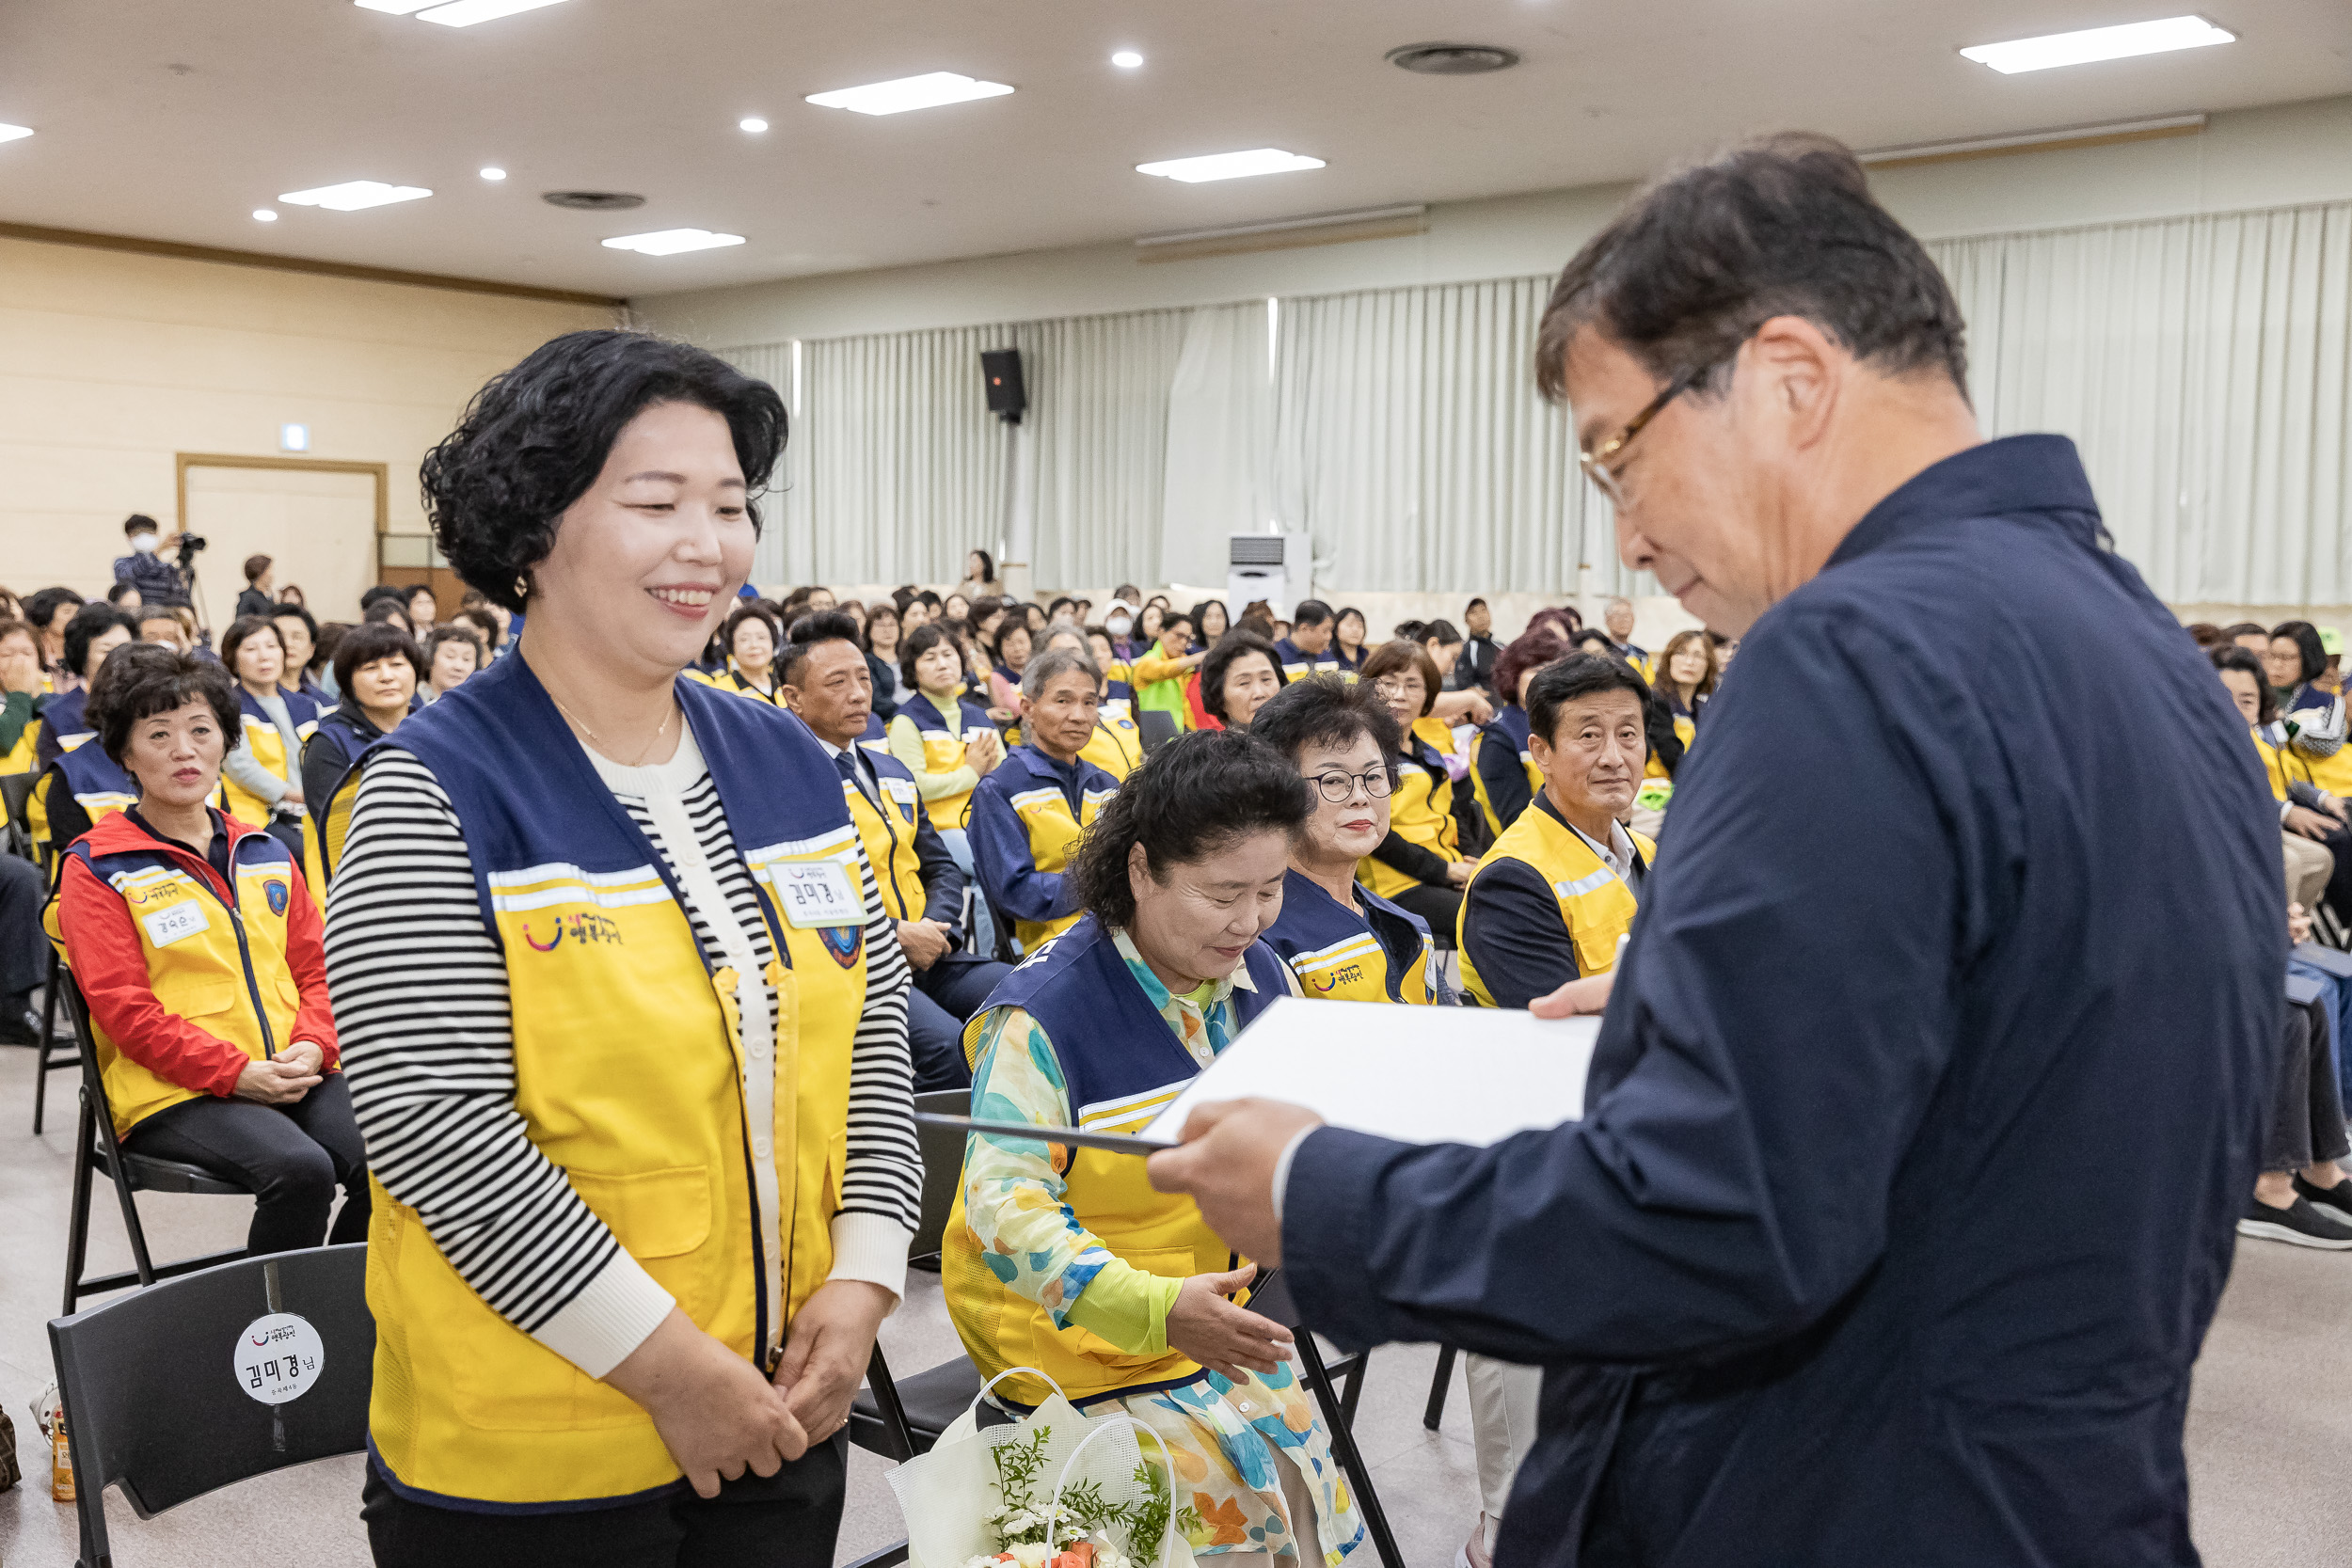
[196,944]
[624,1015]
[1029,815]
[1344,941]
[1065,1259]
[1560,885]
[1420,864]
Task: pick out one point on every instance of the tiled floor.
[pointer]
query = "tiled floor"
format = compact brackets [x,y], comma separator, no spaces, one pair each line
[2269,1430]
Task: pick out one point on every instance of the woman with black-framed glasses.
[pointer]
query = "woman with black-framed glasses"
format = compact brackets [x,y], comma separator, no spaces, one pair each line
[1340,938]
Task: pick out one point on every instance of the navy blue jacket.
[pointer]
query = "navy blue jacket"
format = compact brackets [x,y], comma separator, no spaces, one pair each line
[1926,1101]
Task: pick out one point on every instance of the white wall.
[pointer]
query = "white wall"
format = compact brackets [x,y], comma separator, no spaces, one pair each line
[2282,154]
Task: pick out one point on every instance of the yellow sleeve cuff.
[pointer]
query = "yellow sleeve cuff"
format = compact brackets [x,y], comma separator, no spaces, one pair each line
[1127,1307]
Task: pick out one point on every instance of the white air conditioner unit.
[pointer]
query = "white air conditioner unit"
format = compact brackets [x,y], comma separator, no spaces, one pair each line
[1279,568]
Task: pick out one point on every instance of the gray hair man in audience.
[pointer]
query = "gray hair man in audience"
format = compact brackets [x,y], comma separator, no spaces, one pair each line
[1802,1279]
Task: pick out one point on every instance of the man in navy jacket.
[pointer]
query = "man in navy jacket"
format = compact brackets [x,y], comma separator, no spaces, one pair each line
[1926,1097]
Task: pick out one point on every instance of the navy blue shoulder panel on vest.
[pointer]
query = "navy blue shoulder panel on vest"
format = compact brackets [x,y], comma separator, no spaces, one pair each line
[68,715]
[88,770]
[927,717]
[527,794]
[887,766]
[299,708]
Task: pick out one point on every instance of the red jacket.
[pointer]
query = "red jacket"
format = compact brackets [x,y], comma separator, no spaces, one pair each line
[110,964]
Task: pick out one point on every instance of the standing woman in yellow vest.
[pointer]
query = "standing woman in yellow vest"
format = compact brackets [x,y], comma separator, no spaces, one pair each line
[1419,864]
[1029,815]
[196,947]
[623,1016]
[1549,900]
[1064,1259]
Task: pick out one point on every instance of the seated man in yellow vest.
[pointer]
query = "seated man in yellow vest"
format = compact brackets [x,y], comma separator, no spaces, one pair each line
[1028,815]
[1549,900]
[822,675]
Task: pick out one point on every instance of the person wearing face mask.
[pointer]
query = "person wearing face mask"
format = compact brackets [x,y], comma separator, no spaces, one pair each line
[144,567]
[1064,1261]
[633,1074]
[1029,815]
[1118,622]
[1342,941]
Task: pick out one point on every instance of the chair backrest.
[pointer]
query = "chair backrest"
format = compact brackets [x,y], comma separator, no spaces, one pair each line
[16,791]
[1155,725]
[155,1384]
[943,1165]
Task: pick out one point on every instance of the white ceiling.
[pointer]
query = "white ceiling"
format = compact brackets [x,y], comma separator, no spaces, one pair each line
[174,119]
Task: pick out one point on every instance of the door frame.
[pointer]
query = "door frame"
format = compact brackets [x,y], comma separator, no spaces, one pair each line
[183,462]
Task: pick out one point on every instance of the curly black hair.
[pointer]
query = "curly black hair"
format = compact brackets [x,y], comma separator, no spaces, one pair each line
[139,680]
[534,438]
[1191,798]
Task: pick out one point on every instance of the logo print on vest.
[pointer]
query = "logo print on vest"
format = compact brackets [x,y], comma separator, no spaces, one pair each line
[583,928]
[276,891]
[843,943]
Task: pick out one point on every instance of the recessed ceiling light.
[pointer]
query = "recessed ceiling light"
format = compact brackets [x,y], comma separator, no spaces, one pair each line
[464,13]
[14,133]
[755,125]
[909,92]
[262,214]
[1230,165]
[354,195]
[2099,43]
[494,172]
[669,242]
[1126,59]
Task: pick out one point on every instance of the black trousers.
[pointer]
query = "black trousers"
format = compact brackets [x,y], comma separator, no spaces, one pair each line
[787,1520]
[23,951]
[293,1157]
[2306,1121]
[944,1000]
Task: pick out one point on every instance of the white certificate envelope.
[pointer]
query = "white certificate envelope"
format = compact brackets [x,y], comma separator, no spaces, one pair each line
[1422,1075]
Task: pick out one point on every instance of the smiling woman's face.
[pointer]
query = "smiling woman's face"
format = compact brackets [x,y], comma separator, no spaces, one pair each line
[1351,829]
[1199,922]
[645,564]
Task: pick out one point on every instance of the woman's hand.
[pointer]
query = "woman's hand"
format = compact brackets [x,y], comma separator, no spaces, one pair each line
[2310,823]
[19,670]
[308,1053]
[716,1415]
[1588,995]
[825,1353]
[280,1081]
[979,752]
[1458,873]
[1204,1325]
[2299,923]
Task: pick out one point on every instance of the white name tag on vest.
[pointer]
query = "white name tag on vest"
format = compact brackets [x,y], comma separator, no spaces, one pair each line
[167,926]
[817,892]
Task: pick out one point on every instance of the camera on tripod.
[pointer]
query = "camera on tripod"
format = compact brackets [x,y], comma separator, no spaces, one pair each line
[190,543]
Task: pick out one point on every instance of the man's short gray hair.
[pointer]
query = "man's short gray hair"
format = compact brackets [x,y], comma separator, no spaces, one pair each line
[1057,661]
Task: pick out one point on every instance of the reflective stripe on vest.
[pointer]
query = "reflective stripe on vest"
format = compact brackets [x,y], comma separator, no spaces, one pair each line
[1054,836]
[889,835]
[1596,906]
[1121,1064]
[268,748]
[632,1077]
[1336,953]
[1116,746]
[1420,810]
[942,752]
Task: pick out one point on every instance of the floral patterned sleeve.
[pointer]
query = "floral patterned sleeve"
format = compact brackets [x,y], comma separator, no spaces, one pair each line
[1014,1199]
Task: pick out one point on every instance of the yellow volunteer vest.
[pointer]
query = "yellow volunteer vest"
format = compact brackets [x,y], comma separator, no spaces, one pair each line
[1479,742]
[20,757]
[630,1076]
[1123,1064]
[1054,836]
[943,751]
[888,835]
[1595,903]
[1117,746]
[269,748]
[1420,810]
[221,966]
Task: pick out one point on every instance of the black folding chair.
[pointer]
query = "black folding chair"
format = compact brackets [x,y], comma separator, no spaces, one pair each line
[1271,1298]
[900,1420]
[156,1404]
[1155,725]
[56,1054]
[1433,1414]
[16,791]
[98,1149]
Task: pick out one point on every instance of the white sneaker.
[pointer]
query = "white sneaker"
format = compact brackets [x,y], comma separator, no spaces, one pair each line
[1474,1552]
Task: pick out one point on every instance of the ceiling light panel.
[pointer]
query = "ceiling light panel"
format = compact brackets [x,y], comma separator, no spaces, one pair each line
[394,7]
[2099,43]
[1230,165]
[14,133]
[353,196]
[672,241]
[1126,59]
[464,13]
[907,92]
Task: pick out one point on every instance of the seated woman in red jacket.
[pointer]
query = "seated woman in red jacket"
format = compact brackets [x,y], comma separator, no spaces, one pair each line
[197,948]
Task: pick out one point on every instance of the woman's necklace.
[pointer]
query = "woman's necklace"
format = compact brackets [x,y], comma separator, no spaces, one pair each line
[581,725]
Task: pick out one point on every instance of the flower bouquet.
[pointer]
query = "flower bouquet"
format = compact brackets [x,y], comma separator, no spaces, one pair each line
[974,1500]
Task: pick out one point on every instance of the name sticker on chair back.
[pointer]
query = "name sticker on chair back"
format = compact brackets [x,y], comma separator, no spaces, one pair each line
[279,1358]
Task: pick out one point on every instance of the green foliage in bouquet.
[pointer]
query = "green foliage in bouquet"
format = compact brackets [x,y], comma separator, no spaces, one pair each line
[1020,1518]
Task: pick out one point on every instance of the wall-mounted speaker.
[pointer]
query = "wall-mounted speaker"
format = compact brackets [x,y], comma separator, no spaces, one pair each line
[1000,371]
